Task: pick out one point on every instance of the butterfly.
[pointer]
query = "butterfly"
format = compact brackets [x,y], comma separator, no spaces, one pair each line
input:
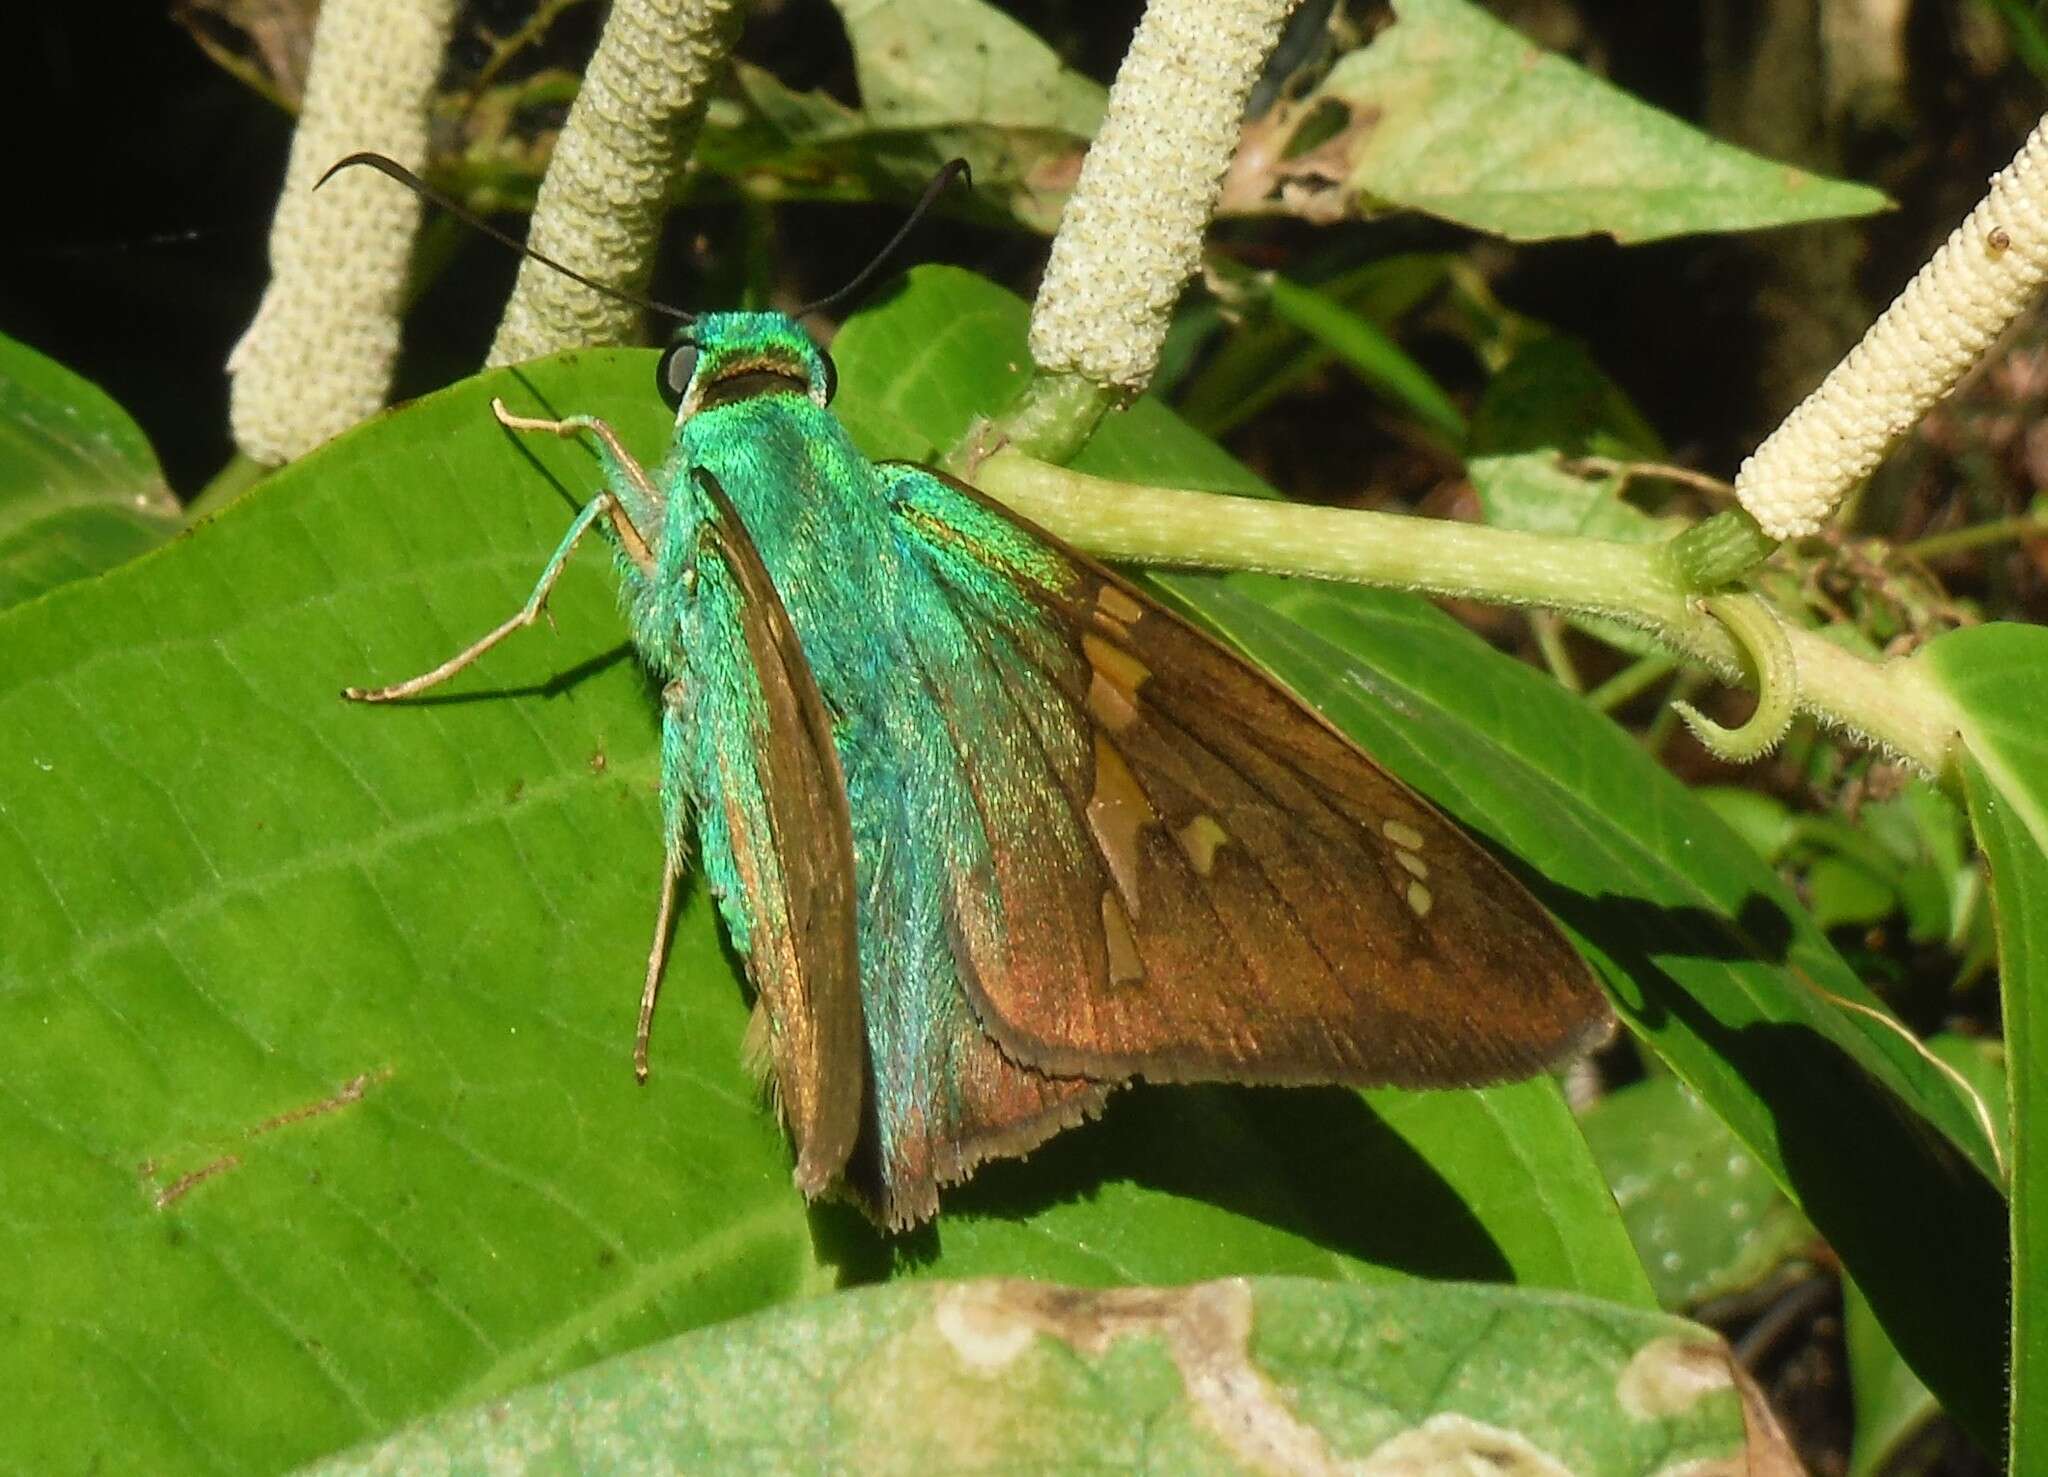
[995,831]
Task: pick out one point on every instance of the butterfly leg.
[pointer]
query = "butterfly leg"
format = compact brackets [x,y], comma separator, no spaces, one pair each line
[657,956]
[598,507]
[625,473]
[672,792]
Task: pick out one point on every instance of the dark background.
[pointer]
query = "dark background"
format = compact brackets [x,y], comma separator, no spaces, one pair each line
[149,175]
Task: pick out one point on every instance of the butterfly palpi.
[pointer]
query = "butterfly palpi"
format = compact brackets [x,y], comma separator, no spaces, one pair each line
[993,830]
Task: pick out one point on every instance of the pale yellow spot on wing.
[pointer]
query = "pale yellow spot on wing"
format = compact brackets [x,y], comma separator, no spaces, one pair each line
[1419,899]
[1113,685]
[1415,865]
[1117,605]
[1125,965]
[1402,834]
[1117,665]
[1200,838]
[1116,811]
[1110,705]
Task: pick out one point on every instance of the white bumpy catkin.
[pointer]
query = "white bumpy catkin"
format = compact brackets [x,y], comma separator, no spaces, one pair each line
[1131,234]
[1985,275]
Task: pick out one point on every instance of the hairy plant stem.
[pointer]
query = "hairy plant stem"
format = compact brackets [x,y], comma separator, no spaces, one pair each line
[1051,420]
[1891,704]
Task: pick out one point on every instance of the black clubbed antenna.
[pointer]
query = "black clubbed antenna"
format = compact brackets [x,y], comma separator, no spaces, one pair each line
[952,170]
[469,218]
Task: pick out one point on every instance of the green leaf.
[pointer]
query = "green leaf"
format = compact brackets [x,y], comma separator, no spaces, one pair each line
[2015,841]
[1531,493]
[1997,673]
[315,1018]
[80,489]
[1840,892]
[1553,397]
[1903,855]
[1378,360]
[1266,356]
[1223,1377]
[1764,821]
[932,63]
[1890,1403]
[1453,113]
[1980,1063]
[1705,1216]
[1494,1184]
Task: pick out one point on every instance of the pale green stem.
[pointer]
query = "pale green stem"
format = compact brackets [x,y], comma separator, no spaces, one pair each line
[1051,420]
[1941,545]
[1631,681]
[239,475]
[1893,704]
[1549,633]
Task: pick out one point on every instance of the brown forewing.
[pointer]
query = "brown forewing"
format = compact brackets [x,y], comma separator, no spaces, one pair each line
[1220,885]
[807,971]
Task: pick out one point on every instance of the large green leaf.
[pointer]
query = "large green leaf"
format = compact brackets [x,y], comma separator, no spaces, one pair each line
[1709,956]
[2016,845]
[1493,1185]
[80,489]
[1244,1376]
[314,1018]
[1997,675]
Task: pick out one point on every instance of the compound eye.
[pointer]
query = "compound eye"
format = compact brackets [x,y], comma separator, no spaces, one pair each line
[831,375]
[672,374]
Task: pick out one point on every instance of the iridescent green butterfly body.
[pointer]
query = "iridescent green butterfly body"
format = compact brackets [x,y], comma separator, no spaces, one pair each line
[994,831]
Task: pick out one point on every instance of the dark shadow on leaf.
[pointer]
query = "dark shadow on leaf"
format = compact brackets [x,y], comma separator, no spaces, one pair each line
[1926,1232]
[555,686]
[523,442]
[1316,1162]
[1628,930]
[1921,1228]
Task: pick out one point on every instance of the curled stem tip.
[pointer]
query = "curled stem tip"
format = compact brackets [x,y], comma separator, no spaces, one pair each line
[1761,638]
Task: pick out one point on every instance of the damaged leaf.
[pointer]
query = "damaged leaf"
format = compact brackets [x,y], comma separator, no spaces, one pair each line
[1246,1375]
[1454,114]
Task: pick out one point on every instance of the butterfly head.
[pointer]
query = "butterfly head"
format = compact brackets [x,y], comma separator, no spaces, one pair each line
[722,357]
